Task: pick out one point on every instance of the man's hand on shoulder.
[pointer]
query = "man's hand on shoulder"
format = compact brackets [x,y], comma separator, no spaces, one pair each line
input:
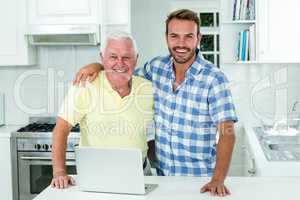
[88,72]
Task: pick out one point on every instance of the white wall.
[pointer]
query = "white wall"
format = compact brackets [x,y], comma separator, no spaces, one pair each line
[254,89]
[148,27]
[40,96]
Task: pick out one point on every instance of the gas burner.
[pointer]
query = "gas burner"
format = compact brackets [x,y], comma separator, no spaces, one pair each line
[44,127]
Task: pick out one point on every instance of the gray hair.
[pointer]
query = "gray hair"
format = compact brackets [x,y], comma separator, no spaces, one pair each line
[119,35]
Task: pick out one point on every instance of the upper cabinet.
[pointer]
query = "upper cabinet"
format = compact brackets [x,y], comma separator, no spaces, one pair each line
[260,31]
[64,12]
[117,14]
[108,13]
[16,15]
[278,31]
[14,48]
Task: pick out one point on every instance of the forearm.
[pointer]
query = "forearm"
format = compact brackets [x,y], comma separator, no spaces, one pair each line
[224,151]
[59,146]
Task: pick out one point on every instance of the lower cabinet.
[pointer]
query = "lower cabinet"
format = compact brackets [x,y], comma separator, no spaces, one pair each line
[6,186]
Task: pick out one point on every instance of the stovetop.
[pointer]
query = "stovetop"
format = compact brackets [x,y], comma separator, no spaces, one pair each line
[44,127]
[37,135]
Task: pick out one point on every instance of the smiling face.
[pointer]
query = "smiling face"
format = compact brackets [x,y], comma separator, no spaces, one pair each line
[182,39]
[119,59]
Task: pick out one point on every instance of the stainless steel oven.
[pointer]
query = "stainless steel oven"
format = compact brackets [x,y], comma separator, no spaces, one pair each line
[35,172]
[33,158]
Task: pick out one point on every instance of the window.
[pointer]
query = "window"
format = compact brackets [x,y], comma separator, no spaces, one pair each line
[210,42]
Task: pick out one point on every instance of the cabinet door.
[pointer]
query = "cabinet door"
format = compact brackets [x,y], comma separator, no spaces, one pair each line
[117,15]
[118,12]
[64,12]
[279,30]
[5,170]
[14,49]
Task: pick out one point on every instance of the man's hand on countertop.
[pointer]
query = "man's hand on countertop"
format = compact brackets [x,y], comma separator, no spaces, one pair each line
[215,187]
[62,181]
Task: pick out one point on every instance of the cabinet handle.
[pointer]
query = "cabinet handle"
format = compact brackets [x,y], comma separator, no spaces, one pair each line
[252,170]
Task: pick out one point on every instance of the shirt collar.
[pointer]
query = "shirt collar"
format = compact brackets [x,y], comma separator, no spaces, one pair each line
[195,68]
[106,83]
[109,88]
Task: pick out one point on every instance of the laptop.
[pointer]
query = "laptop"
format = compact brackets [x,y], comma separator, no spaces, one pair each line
[111,171]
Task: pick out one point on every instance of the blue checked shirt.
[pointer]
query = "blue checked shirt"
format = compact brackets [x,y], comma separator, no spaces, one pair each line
[186,120]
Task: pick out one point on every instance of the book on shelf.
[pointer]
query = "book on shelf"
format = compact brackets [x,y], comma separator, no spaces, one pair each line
[244,10]
[246,48]
[251,9]
[245,37]
[239,46]
[252,42]
[234,9]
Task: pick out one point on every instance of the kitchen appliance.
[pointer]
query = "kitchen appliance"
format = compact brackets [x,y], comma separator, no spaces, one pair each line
[94,164]
[2,109]
[33,144]
[63,34]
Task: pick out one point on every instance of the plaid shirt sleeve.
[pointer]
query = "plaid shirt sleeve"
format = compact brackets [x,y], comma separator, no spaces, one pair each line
[145,71]
[221,107]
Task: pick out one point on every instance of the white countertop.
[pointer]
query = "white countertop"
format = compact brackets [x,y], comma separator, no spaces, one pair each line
[6,130]
[266,167]
[187,188]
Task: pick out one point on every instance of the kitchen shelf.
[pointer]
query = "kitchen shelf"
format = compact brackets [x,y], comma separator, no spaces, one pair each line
[230,39]
[240,22]
[242,62]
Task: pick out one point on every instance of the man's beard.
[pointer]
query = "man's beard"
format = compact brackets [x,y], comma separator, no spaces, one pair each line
[182,60]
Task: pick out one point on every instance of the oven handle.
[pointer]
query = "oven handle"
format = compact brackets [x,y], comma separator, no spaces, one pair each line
[42,158]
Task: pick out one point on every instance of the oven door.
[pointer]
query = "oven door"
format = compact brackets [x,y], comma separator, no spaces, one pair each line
[35,172]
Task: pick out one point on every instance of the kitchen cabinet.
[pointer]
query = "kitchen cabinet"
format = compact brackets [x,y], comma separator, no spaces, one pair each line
[110,14]
[118,12]
[64,12]
[278,31]
[14,49]
[6,189]
[104,12]
[118,15]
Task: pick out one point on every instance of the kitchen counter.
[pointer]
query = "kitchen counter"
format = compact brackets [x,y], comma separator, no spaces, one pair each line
[265,167]
[6,130]
[187,188]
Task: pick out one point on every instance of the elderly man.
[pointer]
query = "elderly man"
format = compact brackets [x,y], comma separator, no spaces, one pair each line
[114,111]
[193,105]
